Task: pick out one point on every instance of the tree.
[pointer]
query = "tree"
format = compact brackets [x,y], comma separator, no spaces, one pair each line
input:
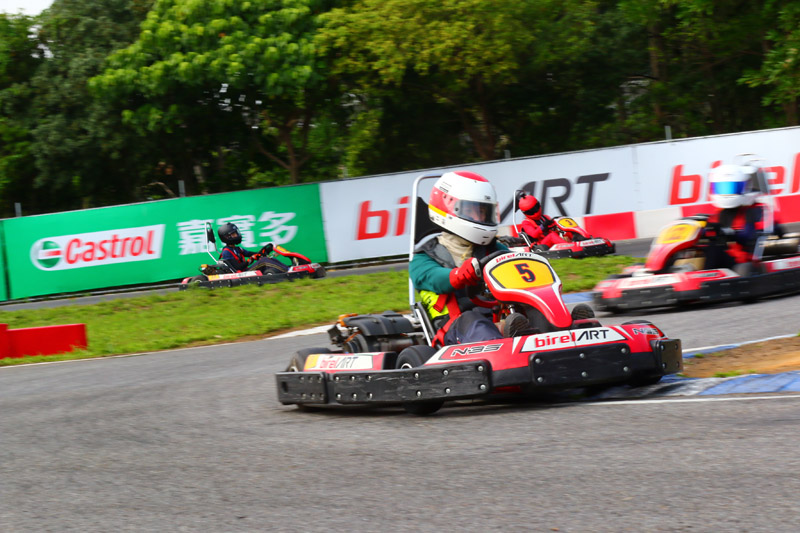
[250,66]
[20,55]
[465,53]
[82,155]
[780,70]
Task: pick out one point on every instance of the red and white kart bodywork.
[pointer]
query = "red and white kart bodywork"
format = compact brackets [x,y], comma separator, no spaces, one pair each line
[578,242]
[220,274]
[675,273]
[395,359]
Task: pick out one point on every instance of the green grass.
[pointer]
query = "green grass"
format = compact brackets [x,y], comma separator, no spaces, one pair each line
[733,373]
[200,316]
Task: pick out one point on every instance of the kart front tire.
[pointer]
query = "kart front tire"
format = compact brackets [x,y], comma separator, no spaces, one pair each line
[582,311]
[413,357]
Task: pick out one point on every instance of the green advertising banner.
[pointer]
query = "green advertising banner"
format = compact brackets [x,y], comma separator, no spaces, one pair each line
[4,279]
[155,241]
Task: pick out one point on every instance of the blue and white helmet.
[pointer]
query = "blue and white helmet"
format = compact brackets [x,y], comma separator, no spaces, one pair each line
[733,186]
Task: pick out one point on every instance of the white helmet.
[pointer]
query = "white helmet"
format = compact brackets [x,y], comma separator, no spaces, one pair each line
[733,186]
[465,203]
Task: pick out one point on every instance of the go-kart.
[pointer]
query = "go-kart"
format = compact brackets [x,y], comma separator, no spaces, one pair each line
[677,270]
[390,359]
[579,243]
[267,269]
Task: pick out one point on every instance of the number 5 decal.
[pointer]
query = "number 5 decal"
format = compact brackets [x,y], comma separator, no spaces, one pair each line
[525,272]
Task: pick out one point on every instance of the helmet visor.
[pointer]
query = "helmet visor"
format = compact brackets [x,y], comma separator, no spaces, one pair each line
[728,187]
[478,212]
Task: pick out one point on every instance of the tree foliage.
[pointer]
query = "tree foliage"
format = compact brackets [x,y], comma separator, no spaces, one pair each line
[250,66]
[114,101]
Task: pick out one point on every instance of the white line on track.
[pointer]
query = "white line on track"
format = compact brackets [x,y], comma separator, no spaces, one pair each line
[695,400]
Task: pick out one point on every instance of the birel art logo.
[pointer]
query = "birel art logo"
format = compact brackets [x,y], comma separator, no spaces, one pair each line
[98,248]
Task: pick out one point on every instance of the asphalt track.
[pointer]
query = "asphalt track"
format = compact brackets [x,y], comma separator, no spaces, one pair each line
[194,440]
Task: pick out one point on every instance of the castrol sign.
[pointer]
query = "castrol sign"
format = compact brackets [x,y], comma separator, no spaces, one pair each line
[98,248]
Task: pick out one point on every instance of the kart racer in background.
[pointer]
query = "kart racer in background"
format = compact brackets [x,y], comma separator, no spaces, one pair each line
[539,228]
[237,257]
[464,205]
[734,191]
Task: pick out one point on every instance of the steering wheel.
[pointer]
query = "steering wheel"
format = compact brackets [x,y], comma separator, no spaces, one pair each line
[479,293]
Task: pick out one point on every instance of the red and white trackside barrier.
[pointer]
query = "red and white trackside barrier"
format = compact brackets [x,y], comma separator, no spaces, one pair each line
[44,340]
[646,224]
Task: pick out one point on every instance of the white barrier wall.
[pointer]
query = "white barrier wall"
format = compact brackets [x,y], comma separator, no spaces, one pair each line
[609,190]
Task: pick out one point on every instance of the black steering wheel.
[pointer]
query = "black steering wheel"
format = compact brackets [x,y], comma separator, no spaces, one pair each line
[479,293]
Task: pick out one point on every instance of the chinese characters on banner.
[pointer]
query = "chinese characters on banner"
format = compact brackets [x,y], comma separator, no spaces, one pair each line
[269,227]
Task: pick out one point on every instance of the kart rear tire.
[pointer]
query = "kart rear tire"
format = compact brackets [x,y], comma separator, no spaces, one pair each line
[413,357]
[320,273]
[298,360]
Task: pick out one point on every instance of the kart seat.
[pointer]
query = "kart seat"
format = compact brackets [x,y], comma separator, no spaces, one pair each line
[690,263]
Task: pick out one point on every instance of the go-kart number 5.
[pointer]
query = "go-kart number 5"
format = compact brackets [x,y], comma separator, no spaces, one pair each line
[522,274]
[526,273]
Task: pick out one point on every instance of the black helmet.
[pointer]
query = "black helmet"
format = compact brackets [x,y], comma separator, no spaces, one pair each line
[229,234]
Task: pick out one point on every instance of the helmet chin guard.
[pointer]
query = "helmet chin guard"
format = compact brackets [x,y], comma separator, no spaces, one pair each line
[465,203]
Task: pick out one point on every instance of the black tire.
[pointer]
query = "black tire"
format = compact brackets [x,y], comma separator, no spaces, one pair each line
[320,273]
[413,357]
[298,360]
[195,281]
[269,266]
[582,311]
[537,320]
[270,270]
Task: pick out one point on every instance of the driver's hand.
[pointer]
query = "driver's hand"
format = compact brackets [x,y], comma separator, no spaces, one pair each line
[267,249]
[466,274]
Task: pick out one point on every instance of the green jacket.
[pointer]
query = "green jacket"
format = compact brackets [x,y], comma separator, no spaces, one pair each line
[430,268]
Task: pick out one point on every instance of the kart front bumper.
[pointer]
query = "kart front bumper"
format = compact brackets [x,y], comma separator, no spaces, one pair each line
[546,371]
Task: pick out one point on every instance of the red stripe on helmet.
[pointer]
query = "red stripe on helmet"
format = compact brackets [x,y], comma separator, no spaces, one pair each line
[470,175]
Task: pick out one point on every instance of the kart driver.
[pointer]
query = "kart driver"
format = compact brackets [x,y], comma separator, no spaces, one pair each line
[464,205]
[537,226]
[237,257]
[734,191]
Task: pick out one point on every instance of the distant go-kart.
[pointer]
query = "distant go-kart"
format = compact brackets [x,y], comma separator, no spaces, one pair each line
[268,269]
[579,243]
[393,359]
[675,271]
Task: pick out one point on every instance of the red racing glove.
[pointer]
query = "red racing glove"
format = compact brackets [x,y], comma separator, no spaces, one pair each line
[466,274]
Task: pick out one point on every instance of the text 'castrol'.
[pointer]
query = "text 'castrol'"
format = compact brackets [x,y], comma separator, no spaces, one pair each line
[98,248]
